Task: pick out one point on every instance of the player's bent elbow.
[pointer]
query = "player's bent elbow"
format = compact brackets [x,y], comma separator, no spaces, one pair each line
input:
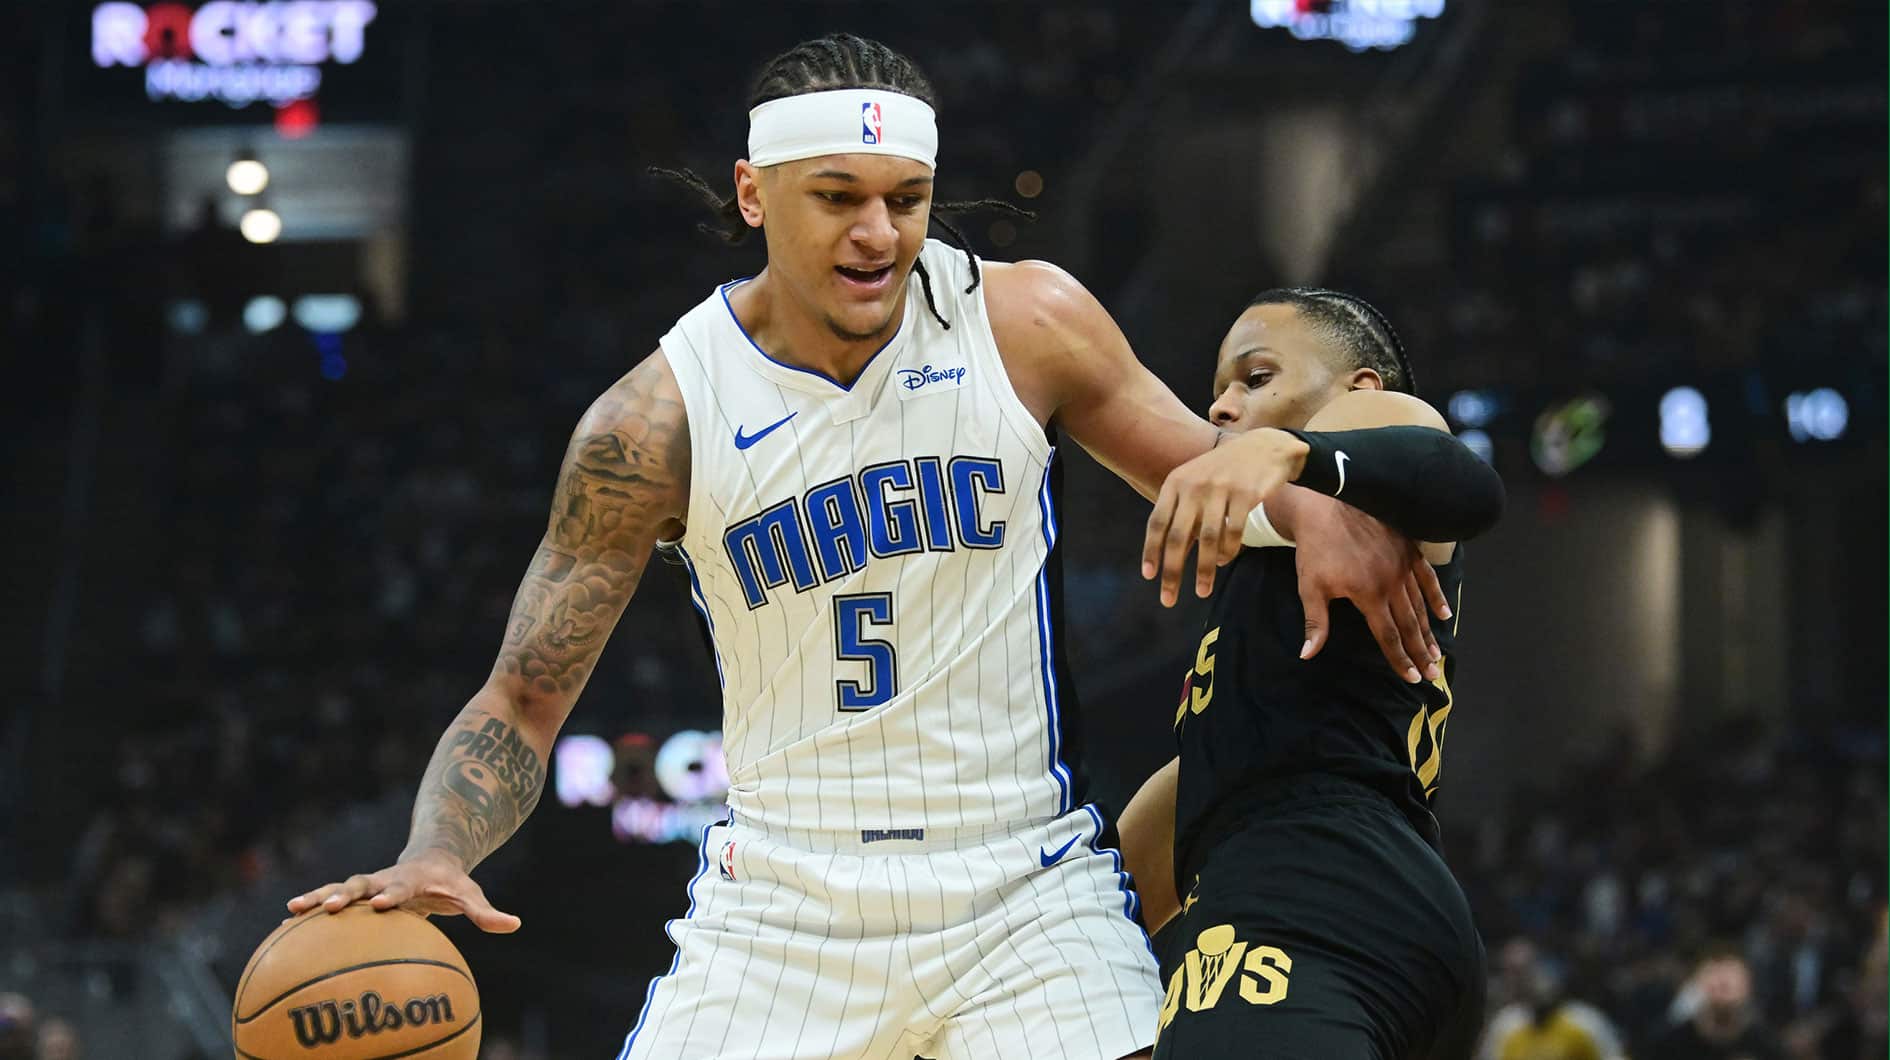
[511,696]
[1481,500]
[1494,500]
[1464,498]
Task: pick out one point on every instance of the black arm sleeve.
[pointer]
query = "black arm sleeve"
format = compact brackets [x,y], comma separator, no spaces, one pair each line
[1422,482]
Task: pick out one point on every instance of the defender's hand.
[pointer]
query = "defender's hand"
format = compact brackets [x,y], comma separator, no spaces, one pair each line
[1205,502]
[1342,553]
[426,884]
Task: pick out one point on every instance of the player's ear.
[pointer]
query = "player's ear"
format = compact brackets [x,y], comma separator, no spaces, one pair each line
[1364,379]
[748,192]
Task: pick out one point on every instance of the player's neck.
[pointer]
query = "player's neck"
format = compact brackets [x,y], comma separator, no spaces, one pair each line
[786,332]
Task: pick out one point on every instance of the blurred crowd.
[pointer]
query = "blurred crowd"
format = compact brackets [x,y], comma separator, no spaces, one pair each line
[1687,193]
[1732,891]
[26,1035]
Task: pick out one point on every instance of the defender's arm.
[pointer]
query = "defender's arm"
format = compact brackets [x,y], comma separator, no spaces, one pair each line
[1071,365]
[1392,456]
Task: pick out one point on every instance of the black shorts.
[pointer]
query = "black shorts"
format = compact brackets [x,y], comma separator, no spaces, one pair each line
[1322,927]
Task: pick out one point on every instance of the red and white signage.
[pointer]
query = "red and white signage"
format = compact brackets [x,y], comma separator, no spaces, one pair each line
[237,52]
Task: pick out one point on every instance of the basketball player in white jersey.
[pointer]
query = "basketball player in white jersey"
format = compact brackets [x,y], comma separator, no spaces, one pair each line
[857,470]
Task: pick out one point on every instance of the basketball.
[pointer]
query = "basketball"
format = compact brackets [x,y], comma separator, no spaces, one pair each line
[356,985]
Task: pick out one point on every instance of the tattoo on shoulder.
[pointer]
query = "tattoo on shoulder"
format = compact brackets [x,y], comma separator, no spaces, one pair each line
[625,474]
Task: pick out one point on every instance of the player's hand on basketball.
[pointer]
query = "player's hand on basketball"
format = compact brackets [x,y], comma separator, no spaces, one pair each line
[1343,553]
[1205,502]
[427,884]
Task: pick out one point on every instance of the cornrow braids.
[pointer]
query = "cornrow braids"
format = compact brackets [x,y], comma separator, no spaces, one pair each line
[838,61]
[1361,332]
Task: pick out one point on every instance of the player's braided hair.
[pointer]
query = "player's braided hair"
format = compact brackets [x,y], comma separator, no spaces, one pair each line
[1355,326]
[836,61]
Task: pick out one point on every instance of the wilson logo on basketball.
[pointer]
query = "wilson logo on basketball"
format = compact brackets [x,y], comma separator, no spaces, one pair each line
[324,1022]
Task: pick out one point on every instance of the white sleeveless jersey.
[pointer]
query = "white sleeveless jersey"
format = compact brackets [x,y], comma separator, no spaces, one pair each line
[874,563]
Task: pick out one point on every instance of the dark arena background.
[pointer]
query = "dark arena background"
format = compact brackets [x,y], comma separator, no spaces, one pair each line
[297,321]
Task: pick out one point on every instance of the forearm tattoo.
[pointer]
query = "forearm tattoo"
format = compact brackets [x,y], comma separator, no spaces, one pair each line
[483,782]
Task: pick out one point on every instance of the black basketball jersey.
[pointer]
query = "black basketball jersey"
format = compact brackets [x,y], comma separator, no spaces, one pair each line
[1253,713]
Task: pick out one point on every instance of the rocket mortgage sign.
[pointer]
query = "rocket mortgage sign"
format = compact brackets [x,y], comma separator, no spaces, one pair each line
[238,53]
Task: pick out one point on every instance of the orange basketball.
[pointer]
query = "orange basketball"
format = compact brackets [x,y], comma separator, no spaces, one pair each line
[356,985]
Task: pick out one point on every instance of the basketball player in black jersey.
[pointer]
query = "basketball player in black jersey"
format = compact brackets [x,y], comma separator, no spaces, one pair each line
[1320,921]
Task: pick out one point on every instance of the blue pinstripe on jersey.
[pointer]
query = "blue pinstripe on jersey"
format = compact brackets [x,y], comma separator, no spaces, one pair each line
[1045,639]
[702,869]
[1131,902]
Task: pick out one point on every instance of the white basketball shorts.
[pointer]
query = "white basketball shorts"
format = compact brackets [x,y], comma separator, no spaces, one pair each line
[991,943]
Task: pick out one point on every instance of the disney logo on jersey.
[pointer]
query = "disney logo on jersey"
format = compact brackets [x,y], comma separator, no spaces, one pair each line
[892,509]
[915,379]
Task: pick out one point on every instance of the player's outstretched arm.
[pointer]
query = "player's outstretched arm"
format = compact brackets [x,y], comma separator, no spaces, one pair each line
[624,482]
[1071,365]
[1399,466]
[1147,829]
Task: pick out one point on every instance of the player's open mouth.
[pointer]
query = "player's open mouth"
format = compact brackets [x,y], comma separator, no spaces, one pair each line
[867,279]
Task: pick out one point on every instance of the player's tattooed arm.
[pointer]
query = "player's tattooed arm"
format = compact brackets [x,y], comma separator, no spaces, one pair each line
[623,485]
[625,477]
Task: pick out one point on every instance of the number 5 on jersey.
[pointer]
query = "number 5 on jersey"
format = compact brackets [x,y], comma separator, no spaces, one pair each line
[851,617]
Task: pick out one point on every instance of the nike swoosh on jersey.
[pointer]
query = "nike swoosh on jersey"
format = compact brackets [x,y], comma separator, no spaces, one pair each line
[743,441]
[1051,859]
[1341,458]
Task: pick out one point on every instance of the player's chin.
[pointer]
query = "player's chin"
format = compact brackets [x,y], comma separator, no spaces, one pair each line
[858,322]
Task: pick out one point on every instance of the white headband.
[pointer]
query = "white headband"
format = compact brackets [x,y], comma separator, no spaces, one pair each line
[842,122]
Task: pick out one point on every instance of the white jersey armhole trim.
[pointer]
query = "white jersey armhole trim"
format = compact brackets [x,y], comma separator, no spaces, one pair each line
[1015,411]
[676,349]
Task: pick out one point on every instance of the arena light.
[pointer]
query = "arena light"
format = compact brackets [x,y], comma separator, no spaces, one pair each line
[1685,430]
[1570,435]
[264,312]
[1472,408]
[187,316]
[297,119]
[327,314]
[1478,442]
[260,225]
[247,175]
[1029,184]
[1821,415]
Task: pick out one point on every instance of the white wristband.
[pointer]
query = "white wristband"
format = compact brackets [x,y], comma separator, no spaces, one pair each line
[1259,532]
